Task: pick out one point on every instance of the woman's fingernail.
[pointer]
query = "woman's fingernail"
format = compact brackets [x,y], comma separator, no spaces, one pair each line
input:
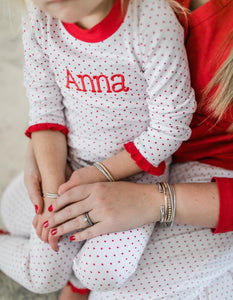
[46,224]
[54,231]
[50,208]
[72,238]
[36,208]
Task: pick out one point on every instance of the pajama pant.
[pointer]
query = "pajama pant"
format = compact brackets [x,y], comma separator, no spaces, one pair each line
[102,263]
[183,262]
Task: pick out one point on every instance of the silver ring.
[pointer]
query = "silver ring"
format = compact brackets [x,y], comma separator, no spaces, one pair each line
[88,219]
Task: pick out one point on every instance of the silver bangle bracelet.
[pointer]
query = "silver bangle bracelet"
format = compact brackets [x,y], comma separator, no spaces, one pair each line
[167,211]
[104,171]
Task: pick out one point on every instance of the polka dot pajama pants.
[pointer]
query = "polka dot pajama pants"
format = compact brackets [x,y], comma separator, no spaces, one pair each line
[103,263]
[23,256]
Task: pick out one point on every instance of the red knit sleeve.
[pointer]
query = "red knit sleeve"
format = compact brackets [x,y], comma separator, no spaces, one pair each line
[142,162]
[225,219]
[46,126]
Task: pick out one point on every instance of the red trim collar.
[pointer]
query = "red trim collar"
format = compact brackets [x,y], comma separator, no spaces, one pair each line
[103,30]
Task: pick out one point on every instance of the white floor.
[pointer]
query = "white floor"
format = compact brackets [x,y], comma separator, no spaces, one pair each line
[13,122]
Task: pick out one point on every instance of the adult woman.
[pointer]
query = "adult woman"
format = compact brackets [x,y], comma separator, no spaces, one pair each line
[185,262]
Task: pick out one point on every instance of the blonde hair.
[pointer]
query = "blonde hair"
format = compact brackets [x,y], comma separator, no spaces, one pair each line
[177,7]
[222,84]
[222,81]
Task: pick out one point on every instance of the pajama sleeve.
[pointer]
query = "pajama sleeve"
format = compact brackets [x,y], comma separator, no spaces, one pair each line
[225,219]
[46,110]
[170,98]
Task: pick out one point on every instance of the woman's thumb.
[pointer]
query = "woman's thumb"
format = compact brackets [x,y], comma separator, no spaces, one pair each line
[65,186]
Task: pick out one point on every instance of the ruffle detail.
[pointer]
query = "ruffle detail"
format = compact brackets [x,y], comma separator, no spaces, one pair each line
[76,290]
[46,126]
[142,162]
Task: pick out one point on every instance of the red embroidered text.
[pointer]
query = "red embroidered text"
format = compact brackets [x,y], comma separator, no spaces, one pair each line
[97,84]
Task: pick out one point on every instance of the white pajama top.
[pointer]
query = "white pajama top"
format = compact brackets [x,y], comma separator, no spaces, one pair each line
[122,84]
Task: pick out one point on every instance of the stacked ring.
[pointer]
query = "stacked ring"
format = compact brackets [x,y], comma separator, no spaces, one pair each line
[88,219]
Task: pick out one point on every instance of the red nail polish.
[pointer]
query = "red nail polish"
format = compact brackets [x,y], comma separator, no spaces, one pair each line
[46,224]
[54,231]
[50,208]
[72,238]
[36,208]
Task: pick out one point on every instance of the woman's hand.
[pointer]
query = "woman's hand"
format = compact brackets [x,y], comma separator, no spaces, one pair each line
[112,207]
[32,179]
[82,176]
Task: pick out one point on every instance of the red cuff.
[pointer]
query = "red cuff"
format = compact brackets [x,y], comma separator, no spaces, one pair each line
[46,126]
[225,219]
[142,162]
[76,290]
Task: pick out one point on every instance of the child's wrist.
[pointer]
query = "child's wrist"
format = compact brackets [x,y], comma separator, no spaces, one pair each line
[98,175]
[101,168]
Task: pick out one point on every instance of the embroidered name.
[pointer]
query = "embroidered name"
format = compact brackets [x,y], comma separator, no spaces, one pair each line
[97,84]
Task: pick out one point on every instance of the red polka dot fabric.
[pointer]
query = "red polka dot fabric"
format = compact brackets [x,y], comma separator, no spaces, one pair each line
[23,256]
[182,262]
[133,86]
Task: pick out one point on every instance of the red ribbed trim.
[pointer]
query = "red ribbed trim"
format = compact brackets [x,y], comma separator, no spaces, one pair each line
[46,126]
[225,219]
[142,162]
[76,290]
[103,30]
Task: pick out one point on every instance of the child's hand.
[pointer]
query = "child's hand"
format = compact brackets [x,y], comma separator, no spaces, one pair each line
[82,176]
